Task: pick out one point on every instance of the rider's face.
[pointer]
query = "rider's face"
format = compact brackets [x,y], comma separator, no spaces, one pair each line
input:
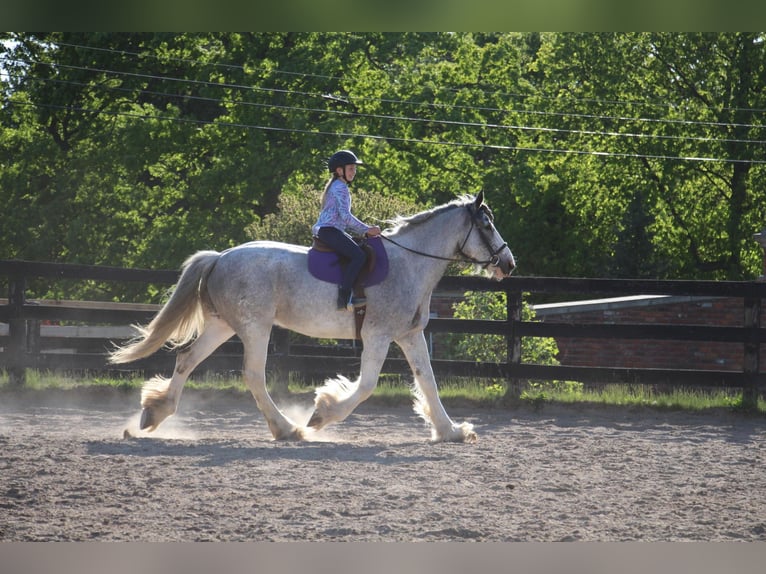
[347,172]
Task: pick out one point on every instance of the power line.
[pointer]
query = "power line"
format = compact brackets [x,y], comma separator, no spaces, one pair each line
[392,139]
[609,118]
[508,127]
[191,61]
[339,78]
[450,123]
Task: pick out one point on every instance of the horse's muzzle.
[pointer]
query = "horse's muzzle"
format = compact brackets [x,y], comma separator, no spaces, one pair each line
[504,266]
[502,269]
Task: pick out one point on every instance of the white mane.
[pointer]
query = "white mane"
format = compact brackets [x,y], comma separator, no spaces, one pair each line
[400,222]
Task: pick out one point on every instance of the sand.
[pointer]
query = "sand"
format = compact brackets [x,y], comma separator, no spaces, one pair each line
[68,472]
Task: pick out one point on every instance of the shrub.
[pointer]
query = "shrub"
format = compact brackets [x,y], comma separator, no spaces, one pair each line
[493,348]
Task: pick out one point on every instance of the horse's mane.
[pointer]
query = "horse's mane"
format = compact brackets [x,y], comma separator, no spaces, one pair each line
[403,221]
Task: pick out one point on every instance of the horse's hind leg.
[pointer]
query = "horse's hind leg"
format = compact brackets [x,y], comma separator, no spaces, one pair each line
[427,402]
[254,374]
[337,398]
[160,396]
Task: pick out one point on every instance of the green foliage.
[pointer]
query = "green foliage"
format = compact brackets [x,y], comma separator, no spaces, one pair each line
[393,391]
[655,101]
[292,221]
[495,392]
[298,211]
[539,392]
[493,348]
[136,149]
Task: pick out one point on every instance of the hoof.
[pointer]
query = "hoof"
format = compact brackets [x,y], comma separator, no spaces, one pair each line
[316,421]
[471,437]
[294,434]
[459,433]
[147,420]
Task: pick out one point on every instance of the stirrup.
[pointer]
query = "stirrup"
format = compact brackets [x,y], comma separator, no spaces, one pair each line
[345,301]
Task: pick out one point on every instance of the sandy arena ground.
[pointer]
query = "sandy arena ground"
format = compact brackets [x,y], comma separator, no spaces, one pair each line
[212,472]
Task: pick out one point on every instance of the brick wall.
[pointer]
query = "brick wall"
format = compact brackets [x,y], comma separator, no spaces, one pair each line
[658,310]
[442,302]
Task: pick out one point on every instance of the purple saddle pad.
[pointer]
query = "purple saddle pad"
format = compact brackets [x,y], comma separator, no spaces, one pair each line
[326,265]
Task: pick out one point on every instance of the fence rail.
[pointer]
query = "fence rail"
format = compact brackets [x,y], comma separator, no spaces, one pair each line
[25,347]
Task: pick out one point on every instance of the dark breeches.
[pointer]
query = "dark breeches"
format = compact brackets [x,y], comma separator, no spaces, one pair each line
[343,243]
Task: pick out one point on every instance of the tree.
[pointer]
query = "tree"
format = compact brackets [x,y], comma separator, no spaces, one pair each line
[712,207]
[656,102]
[493,348]
[138,148]
[297,213]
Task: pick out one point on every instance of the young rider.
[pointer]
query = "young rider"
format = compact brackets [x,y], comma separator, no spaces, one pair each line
[336,221]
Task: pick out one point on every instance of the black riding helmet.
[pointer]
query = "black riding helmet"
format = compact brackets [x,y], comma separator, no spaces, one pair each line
[342,158]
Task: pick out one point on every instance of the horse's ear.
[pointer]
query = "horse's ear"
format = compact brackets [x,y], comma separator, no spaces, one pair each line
[479,199]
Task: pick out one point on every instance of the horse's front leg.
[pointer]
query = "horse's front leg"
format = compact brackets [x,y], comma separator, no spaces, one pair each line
[337,398]
[427,402]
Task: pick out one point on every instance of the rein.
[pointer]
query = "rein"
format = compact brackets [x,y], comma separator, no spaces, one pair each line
[494,258]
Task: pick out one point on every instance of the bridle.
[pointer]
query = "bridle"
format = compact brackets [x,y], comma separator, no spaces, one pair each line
[494,257]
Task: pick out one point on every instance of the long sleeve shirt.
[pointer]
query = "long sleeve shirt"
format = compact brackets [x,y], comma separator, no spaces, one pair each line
[336,211]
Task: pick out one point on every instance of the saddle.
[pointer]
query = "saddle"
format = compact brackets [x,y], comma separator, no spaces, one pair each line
[327,265]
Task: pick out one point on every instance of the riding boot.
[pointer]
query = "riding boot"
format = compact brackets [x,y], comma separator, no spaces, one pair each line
[344,299]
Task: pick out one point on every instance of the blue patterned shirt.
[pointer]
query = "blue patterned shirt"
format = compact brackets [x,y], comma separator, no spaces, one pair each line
[336,211]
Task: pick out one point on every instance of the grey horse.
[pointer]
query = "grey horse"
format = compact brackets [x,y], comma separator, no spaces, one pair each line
[247,289]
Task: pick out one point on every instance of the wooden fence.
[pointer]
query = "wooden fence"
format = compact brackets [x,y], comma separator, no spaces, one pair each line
[26,345]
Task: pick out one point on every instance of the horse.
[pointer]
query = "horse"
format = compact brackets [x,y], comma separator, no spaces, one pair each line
[247,289]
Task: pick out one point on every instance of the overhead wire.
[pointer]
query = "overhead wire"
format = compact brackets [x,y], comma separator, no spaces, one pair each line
[385,100]
[497,147]
[420,104]
[412,119]
[433,121]
[339,78]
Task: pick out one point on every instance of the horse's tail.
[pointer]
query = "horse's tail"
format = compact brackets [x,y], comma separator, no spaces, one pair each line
[181,319]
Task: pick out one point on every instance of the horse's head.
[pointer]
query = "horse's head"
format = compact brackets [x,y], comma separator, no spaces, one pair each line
[484,245]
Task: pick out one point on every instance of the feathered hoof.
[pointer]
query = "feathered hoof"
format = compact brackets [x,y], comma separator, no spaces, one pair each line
[470,437]
[316,421]
[459,433]
[148,420]
[295,433]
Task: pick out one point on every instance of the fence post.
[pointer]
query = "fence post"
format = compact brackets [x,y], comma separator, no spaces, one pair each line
[751,362]
[17,331]
[760,237]
[513,316]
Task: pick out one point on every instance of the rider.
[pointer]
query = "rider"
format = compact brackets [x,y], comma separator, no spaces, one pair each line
[336,220]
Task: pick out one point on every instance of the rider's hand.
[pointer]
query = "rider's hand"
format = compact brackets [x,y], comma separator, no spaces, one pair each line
[373,231]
